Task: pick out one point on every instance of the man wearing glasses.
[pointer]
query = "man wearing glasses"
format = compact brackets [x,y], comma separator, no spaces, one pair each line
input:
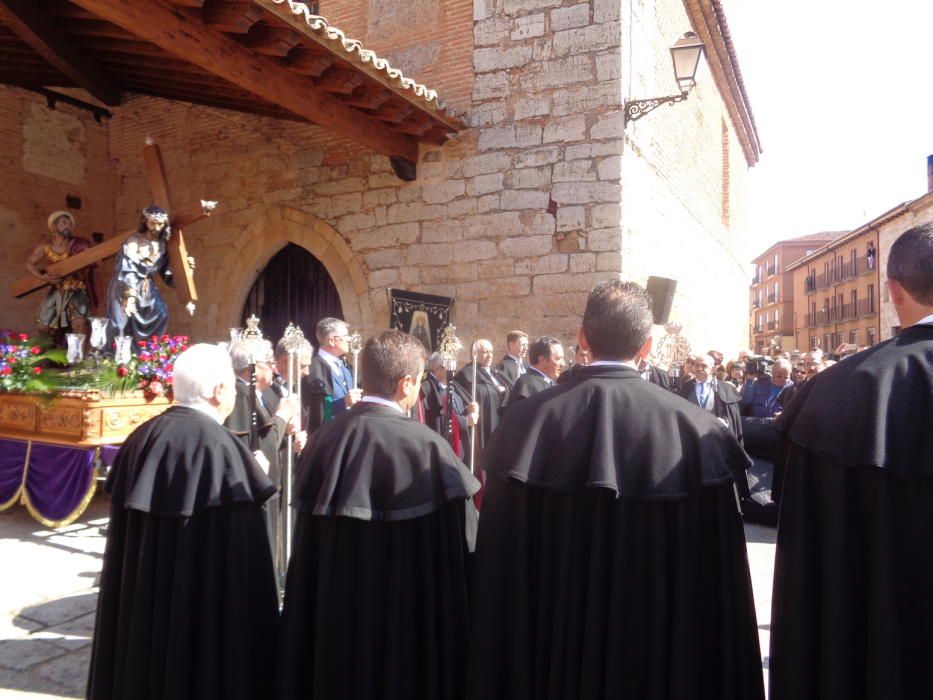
[329,388]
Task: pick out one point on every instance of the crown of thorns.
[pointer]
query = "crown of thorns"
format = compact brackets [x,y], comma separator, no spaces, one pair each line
[156,214]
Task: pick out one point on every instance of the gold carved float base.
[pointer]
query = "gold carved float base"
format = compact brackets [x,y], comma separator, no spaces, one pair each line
[81,418]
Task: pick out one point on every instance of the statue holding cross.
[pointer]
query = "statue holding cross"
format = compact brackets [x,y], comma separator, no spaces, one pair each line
[137,246]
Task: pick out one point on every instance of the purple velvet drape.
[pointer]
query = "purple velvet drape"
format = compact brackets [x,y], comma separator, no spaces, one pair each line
[12,463]
[59,479]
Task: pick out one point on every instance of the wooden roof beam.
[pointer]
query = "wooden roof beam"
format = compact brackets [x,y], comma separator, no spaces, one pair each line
[231,17]
[182,35]
[340,82]
[28,22]
[370,98]
[271,41]
[306,62]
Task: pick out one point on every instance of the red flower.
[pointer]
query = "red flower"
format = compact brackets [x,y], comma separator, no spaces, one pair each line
[37,370]
[164,338]
[6,371]
[141,343]
[155,386]
[163,357]
[144,356]
[35,349]
[23,337]
[122,371]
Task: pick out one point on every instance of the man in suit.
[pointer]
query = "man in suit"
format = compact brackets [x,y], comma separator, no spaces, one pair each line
[719,398]
[546,355]
[513,365]
[329,388]
[492,391]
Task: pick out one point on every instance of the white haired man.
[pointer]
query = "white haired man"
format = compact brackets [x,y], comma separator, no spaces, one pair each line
[187,605]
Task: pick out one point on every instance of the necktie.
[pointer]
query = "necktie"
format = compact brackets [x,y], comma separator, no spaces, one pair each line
[704,395]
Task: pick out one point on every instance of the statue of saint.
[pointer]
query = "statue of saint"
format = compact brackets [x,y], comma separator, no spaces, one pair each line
[71,298]
[135,306]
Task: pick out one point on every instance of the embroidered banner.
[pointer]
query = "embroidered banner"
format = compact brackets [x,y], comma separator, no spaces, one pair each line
[422,315]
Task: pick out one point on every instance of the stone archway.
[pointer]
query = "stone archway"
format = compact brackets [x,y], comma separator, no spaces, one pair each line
[270,232]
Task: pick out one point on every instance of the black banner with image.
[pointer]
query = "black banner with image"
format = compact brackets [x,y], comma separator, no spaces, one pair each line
[422,315]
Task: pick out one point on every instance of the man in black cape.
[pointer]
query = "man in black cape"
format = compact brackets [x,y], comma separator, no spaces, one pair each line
[852,613]
[611,558]
[491,391]
[434,393]
[546,355]
[187,607]
[376,599]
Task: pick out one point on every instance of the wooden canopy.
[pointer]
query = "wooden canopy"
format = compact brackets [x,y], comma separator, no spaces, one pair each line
[267,57]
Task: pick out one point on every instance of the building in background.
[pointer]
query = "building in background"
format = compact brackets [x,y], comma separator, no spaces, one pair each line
[841,294]
[772,291]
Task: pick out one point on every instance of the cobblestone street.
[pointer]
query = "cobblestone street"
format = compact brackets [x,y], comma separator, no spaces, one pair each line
[48,598]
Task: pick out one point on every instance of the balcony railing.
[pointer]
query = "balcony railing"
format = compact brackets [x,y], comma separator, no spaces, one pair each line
[772,269]
[772,325]
[866,307]
[756,304]
[772,298]
[759,328]
[850,311]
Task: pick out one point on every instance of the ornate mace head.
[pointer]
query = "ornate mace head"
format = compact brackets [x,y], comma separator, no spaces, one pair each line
[449,346]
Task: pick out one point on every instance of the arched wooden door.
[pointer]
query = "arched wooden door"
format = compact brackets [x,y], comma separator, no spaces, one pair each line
[295,288]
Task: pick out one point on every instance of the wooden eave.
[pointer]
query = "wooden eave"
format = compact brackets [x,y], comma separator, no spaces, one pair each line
[264,57]
[709,22]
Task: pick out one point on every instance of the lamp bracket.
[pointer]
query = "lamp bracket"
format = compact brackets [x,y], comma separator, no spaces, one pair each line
[636,109]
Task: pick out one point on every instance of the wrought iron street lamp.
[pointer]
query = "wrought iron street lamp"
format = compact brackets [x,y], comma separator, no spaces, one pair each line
[685,54]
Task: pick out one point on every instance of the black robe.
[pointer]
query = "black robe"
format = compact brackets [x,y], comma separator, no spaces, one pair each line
[187,607]
[527,385]
[727,404]
[489,398]
[432,396]
[852,610]
[611,558]
[376,599]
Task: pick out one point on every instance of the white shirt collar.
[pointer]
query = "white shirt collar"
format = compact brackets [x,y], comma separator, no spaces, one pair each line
[614,363]
[333,360]
[535,369]
[382,402]
[205,408]
[513,357]
[925,320]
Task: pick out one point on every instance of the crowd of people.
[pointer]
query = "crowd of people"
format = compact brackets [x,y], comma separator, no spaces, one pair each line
[523,529]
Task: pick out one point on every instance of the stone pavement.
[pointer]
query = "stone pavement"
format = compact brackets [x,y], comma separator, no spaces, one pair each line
[48,598]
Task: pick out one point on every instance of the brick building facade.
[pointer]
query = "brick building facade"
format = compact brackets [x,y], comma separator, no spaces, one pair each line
[546,193]
[772,292]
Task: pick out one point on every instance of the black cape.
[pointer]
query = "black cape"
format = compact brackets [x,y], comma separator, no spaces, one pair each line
[852,614]
[489,398]
[527,385]
[376,599]
[433,399]
[187,606]
[611,557]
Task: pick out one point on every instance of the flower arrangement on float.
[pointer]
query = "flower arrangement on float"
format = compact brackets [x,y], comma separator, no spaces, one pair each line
[33,366]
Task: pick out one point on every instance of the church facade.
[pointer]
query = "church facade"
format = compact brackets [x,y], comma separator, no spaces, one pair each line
[544,192]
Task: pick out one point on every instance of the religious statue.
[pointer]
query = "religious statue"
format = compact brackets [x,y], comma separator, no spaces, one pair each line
[135,306]
[72,296]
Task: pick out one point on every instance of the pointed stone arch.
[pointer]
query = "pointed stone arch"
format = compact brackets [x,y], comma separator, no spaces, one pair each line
[268,234]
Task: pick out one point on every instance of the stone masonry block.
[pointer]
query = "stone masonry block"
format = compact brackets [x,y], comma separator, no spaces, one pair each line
[520,136]
[403,213]
[443,191]
[523,199]
[538,223]
[565,129]
[608,126]
[429,254]
[488,113]
[490,32]
[586,192]
[529,177]
[531,106]
[610,261]
[515,8]
[539,156]
[465,206]
[384,196]
[604,239]
[390,236]
[526,246]
[559,73]
[477,250]
[605,216]
[486,163]
[609,65]
[546,284]
[492,59]
[570,17]
[491,86]
[571,218]
[528,27]
[606,10]
[594,37]
[574,171]
[355,222]
[582,262]
[484,184]
[610,168]
[542,265]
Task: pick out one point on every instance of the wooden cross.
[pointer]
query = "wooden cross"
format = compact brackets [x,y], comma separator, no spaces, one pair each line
[178,254]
